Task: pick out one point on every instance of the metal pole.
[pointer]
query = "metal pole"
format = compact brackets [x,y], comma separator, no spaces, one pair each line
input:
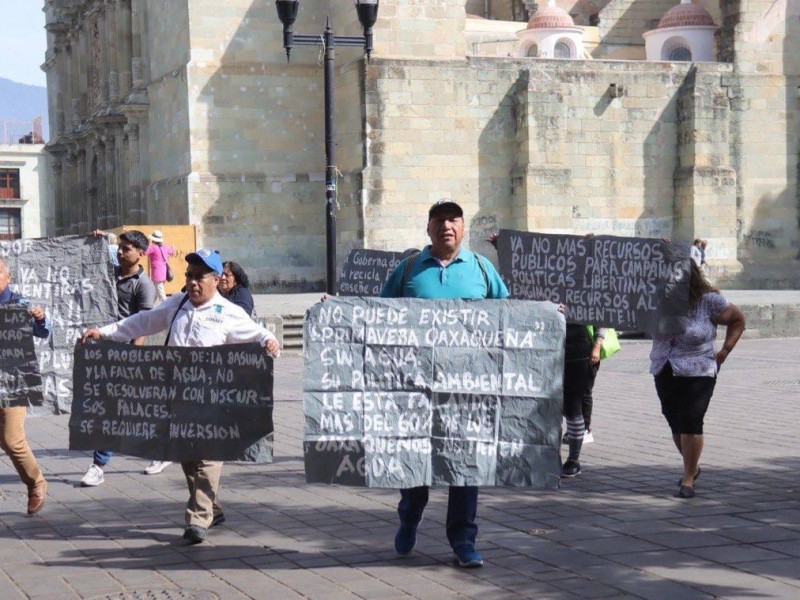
[330,169]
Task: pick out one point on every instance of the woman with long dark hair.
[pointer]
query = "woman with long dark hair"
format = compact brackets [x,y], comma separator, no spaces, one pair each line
[235,286]
[685,367]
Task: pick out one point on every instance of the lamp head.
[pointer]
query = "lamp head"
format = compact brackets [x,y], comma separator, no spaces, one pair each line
[367,12]
[287,13]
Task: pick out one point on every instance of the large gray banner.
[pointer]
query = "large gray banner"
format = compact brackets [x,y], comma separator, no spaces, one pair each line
[634,284]
[170,403]
[20,380]
[72,278]
[401,393]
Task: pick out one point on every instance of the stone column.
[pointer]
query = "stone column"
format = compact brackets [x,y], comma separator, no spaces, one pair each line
[705,183]
[52,221]
[124,35]
[80,219]
[541,185]
[109,197]
[119,175]
[134,173]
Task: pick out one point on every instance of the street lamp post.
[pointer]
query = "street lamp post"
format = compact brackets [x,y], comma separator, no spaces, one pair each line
[367,14]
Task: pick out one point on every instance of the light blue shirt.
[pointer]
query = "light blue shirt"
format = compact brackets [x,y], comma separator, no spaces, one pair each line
[462,278]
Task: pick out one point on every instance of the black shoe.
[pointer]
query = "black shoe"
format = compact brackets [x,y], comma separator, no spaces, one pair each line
[195,534]
[405,539]
[686,491]
[217,520]
[570,468]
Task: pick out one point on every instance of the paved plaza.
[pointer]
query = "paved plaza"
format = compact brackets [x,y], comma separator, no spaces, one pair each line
[616,531]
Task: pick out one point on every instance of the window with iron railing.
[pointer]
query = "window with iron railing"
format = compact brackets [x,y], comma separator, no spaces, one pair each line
[9,183]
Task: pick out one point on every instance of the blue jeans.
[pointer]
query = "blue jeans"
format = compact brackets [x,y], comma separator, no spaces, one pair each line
[462,508]
[102,457]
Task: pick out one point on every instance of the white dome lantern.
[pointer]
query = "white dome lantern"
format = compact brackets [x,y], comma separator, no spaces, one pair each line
[551,33]
[684,33]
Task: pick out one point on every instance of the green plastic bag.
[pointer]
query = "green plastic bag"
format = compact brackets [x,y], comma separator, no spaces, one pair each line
[610,342]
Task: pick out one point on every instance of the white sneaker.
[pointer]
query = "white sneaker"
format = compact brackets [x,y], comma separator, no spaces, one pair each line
[155,467]
[588,438]
[93,477]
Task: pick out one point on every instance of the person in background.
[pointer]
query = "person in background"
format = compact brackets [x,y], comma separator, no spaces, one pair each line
[12,418]
[587,403]
[703,246]
[135,293]
[197,319]
[234,285]
[695,253]
[158,254]
[581,361]
[685,368]
[113,247]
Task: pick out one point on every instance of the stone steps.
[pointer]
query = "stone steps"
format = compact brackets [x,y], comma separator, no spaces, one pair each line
[293,332]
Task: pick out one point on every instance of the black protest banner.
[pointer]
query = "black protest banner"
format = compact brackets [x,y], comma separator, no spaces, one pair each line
[72,278]
[173,403]
[633,284]
[366,271]
[400,393]
[20,380]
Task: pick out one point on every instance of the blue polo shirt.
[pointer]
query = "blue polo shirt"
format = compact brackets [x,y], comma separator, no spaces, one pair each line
[462,278]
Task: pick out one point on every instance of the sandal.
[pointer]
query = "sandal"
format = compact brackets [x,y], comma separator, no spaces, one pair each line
[686,491]
[696,475]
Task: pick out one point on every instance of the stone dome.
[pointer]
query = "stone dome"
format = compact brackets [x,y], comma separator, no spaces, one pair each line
[686,15]
[550,17]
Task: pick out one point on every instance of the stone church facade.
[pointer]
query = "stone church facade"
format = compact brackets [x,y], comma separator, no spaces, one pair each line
[187,112]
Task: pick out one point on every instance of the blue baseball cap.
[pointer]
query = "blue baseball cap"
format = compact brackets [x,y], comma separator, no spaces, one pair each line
[208,257]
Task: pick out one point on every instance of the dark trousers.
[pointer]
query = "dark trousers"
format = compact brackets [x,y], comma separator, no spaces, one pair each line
[462,508]
[588,401]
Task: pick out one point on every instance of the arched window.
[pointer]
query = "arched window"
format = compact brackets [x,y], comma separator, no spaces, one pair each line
[533,50]
[676,49]
[680,54]
[562,49]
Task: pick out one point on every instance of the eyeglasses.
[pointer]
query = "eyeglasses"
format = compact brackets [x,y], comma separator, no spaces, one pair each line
[196,277]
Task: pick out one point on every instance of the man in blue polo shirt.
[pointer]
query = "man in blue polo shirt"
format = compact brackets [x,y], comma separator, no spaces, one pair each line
[444,270]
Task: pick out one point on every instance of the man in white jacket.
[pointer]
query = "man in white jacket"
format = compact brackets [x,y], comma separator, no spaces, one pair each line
[201,317]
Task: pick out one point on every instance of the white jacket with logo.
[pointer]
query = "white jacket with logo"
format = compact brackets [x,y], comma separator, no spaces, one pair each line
[216,322]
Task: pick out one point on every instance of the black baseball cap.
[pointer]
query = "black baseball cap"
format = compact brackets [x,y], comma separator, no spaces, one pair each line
[445,205]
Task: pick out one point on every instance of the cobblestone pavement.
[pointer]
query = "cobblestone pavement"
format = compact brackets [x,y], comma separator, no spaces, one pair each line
[616,531]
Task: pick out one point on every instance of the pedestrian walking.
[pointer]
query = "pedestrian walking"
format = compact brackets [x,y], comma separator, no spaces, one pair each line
[136,292]
[12,418]
[201,317]
[685,367]
[444,270]
[158,254]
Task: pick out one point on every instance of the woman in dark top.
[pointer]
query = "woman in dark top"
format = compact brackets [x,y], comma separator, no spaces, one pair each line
[235,286]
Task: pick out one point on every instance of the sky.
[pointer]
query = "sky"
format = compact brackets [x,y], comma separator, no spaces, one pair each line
[22,41]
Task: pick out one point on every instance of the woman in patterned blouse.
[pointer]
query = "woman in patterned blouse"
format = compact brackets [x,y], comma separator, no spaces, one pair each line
[685,367]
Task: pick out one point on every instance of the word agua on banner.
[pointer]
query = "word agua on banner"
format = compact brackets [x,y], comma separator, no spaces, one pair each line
[366,271]
[72,278]
[20,379]
[173,403]
[637,284]
[400,393]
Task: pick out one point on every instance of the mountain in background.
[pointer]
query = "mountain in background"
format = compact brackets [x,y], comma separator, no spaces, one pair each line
[21,102]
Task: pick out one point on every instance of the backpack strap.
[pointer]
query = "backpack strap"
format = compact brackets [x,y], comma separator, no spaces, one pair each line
[485,273]
[409,262]
[175,316]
